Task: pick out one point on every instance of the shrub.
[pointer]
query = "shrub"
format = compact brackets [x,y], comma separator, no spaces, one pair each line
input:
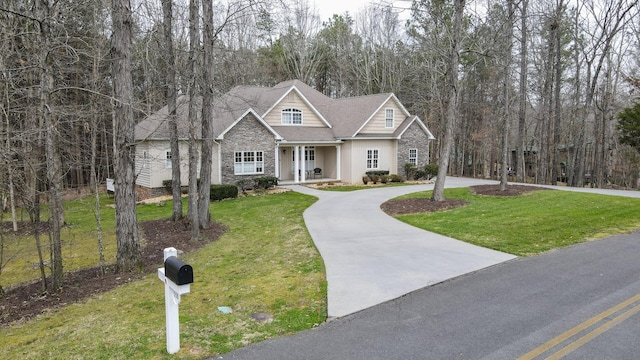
[266,182]
[420,174]
[244,185]
[167,184]
[384,179]
[377,172]
[375,178]
[221,192]
[431,170]
[396,178]
[410,171]
[365,179]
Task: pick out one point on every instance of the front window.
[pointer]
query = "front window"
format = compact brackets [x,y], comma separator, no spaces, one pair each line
[372,159]
[388,118]
[248,162]
[168,162]
[413,156]
[291,117]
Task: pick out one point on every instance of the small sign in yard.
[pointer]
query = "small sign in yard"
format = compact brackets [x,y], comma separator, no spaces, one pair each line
[110,186]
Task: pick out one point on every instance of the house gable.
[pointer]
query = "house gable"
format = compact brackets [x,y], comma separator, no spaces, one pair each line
[386,119]
[257,118]
[248,135]
[296,101]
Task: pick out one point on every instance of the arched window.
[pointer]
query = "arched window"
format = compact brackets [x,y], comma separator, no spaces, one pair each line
[291,117]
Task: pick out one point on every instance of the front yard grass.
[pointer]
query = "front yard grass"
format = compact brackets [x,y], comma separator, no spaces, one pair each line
[532,223]
[265,262]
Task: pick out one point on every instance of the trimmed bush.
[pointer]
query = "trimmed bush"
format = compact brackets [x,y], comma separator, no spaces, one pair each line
[244,185]
[410,171]
[396,178]
[266,182]
[221,192]
[384,179]
[168,185]
[365,179]
[377,172]
[430,171]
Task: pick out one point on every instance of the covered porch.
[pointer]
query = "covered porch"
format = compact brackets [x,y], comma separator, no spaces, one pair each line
[308,163]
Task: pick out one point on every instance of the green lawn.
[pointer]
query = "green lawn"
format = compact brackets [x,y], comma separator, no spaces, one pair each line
[530,224]
[265,262]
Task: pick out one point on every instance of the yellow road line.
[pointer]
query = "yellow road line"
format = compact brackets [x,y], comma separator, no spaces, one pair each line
[577,329]
[599,330]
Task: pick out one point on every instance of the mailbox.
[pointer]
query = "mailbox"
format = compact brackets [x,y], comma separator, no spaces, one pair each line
[177,271]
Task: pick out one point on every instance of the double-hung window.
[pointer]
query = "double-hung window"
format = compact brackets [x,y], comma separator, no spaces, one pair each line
[413,157]
[291,117]
[372,159]
[388,117]
[168,162]
[248,162]
[145,160]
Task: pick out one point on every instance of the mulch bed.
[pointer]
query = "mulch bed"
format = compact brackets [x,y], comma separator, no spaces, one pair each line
[27,301]
[415,206]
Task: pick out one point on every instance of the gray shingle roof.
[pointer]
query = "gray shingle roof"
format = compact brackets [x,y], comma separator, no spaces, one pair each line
[345,116]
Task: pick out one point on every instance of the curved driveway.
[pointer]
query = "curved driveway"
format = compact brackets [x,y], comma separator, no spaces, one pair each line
[371,257]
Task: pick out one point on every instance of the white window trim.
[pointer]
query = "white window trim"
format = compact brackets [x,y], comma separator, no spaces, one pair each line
[248,167]
[388,119]
[287,116]
[413,160]
[373,159]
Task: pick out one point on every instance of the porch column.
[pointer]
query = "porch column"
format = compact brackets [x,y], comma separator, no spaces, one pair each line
[296,164]
[338,162]
[303,164]
[277,160]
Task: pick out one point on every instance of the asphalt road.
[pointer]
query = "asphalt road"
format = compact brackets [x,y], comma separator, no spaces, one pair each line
[579,302]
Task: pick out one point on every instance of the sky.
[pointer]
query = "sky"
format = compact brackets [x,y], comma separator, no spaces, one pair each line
[329,7]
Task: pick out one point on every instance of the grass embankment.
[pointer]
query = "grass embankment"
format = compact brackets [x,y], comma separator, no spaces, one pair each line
[532,223]
[265,262]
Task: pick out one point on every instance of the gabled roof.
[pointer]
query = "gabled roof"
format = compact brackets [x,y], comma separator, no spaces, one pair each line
[343,118]
[156,125]
[258,117]
[390,97]
[407,122]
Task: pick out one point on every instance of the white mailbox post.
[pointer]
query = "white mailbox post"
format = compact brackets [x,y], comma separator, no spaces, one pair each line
[177,277]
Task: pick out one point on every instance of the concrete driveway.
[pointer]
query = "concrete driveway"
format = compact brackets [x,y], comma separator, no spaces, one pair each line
[371,258]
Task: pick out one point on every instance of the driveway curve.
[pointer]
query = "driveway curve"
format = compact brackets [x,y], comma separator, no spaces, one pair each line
[370,257]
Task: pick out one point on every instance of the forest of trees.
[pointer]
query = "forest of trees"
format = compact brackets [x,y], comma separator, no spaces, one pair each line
[534,89]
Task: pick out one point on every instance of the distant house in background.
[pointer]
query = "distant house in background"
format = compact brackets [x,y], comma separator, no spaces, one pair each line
[292,132]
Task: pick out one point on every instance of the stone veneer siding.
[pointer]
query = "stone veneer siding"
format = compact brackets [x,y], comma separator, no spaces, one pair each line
[248,135]
[413,138]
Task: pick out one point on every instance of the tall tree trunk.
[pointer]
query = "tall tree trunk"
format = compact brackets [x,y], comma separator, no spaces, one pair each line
[207,115]
[176,186]
[128,254]
[507,97]
[452,100]
[557,116]
[194,45]
[52,155]
[521,171]
[94,155]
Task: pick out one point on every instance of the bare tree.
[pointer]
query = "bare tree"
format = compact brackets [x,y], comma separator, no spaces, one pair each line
[194,45]
[128,254]
[451,102]
[521,172]
[176,186]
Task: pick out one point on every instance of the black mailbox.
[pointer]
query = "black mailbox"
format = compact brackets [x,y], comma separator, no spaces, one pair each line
[177,271]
